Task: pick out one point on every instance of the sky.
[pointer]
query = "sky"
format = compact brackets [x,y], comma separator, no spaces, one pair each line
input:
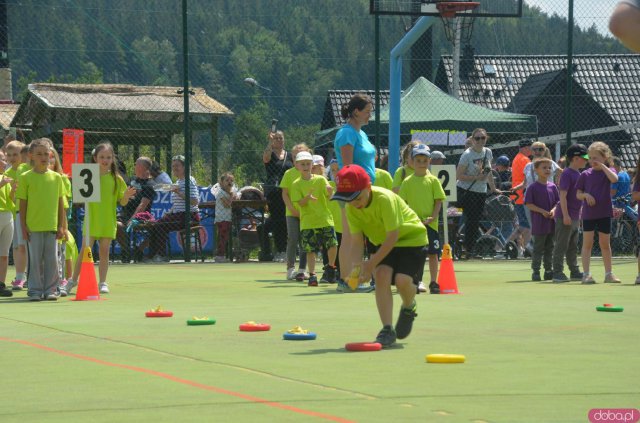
[585,12]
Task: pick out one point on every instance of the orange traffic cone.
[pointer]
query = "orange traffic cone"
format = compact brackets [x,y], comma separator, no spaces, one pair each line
[87,284]
[447,276]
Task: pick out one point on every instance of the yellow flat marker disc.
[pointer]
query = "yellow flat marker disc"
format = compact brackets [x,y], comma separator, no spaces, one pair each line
[445,358]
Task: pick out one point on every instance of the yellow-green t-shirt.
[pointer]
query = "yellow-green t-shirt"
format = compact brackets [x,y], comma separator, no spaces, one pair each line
[102,215]
[42,191]
[67,190]
[421,193]
[398,176]
[287,181]
[387,212]
[14,173]
[6,204]
[334,208]
[383,179]
[314,214]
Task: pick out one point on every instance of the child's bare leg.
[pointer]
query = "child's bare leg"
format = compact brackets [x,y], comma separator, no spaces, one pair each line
[433,267]
[605,247]
[68,268]
[20,259]
[406,289]
[332,253]
[103,268]
[4,264]
[311,262]
[384,298]
[587,245]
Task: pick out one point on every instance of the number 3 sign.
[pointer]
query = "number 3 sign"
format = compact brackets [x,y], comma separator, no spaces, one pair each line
[447,176]
[86,182]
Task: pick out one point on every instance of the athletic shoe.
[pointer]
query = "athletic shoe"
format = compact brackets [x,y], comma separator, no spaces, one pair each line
[638,280]
[313,280]
[35,298]
[342,286]
[405,321]
[159,259]
[421,287]
[324,279]
[560,277]
[104,288]
[70,285]
[17,284]
[611,278]
[331,274]
[291,274]
[51,297]
[535,276]
[548,275]
[299,275]
[221,259]
[4,292]
[588,280]
[434,288]
[63,288]
[576,275]
[386,337]
[281,257]
[366,287]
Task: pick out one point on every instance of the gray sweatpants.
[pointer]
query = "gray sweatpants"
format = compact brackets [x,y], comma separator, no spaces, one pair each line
[542,252]
[294,241]
[43,264]
[566,245]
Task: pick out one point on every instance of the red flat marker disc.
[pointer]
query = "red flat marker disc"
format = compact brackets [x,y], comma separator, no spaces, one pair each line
[255,327]
[363,346]
[165,313]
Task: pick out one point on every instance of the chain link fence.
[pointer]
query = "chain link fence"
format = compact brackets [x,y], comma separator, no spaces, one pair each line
[114,70]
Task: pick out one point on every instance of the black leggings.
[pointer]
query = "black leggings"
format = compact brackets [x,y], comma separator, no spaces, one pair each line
[472,209]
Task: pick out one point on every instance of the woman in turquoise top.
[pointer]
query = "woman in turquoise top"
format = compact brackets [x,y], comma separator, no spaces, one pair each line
[352,146]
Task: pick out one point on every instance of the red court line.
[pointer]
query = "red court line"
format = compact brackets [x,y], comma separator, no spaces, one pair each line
[182,381]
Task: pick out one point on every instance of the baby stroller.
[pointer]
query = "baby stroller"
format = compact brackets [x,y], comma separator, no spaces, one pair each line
[246,219]
[498,222]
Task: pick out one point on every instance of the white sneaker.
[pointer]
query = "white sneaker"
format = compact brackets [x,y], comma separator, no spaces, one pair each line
[291,273]
[104,288]
[70,285]
[421,287]
[221,259]
[62,287]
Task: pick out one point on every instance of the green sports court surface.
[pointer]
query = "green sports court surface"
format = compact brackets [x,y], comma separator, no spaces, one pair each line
[535,352]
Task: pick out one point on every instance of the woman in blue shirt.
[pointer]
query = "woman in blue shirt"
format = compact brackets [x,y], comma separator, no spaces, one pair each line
[352,146]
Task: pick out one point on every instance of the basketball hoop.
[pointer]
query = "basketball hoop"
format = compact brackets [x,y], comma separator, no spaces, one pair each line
[449,10]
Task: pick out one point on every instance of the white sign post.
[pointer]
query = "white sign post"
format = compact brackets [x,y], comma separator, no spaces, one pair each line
[86,189]
[447,176]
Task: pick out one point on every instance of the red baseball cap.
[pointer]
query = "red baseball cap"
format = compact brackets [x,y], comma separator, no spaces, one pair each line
[350,181]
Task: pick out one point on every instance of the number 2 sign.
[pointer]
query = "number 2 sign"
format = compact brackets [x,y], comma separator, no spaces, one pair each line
[447,176]
[85,182]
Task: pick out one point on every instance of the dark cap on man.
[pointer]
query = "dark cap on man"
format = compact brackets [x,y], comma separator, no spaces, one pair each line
[577,150]
[525,143]
[350,181]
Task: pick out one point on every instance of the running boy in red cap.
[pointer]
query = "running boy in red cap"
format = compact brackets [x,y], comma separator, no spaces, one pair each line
[390,224]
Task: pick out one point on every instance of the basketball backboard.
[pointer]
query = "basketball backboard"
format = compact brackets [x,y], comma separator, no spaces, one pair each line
[487,8]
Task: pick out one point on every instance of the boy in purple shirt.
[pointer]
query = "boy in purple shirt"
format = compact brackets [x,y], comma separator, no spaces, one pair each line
[541,198]
[568,217]
[594,190]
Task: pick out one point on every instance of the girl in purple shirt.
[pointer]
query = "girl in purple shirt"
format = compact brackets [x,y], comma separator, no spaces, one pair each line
[594,190]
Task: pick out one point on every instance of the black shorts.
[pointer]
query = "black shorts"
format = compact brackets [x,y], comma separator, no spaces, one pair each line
[602,225]
[406,261]
[434,241]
